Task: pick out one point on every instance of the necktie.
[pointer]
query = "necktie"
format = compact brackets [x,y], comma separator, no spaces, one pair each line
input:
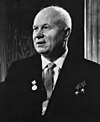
[48,79]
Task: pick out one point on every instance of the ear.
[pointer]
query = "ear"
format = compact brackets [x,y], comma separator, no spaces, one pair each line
[67,33]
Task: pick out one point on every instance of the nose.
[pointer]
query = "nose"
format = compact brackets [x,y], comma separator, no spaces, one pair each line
[39,34]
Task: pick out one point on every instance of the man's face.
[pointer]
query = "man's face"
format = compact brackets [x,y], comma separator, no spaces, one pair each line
[48,33]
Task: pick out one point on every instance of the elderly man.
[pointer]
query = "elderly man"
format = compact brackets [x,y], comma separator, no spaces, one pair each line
[53,85]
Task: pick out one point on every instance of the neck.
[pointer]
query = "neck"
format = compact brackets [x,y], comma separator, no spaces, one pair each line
[54,56]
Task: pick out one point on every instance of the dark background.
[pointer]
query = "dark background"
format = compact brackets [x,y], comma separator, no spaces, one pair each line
[16,18]
[20,13]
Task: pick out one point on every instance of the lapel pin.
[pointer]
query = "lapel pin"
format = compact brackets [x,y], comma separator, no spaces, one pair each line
[80,88]
[77,92]
[34,87]
[83,90]
[33,82]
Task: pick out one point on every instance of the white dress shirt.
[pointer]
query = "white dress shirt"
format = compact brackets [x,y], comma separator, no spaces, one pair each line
[59,63]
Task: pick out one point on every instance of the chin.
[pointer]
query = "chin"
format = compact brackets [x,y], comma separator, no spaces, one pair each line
[42,51]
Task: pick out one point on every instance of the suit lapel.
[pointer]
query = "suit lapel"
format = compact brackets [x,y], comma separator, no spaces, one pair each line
[63,82]
[66,82]
[67,75]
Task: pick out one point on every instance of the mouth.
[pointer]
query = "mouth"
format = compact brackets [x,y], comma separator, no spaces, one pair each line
[40,43]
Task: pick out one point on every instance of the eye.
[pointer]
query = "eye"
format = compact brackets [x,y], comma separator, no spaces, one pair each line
[35,28]
[46,27]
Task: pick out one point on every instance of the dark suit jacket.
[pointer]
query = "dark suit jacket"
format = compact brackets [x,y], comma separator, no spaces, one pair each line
[76,97]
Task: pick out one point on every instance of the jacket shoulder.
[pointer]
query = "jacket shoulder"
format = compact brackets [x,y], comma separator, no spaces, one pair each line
[23,67]
[90,64]
[90,69]
[25,62]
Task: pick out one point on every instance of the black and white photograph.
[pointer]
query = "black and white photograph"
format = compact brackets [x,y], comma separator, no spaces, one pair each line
[49,60]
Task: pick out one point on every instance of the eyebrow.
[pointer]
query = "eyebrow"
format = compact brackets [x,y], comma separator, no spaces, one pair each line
[42,25]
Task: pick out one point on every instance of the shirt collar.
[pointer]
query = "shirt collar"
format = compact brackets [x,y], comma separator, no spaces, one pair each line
[59,62]
[45,62]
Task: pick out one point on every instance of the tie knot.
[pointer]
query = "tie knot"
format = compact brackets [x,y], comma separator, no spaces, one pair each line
[51,65]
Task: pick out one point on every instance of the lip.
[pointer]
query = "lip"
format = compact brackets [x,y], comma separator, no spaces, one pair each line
[40,43]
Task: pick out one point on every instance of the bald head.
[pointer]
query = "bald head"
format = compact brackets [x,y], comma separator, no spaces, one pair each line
[55,15]
[51,30]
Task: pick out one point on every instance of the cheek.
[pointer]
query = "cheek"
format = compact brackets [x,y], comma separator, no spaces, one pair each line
[34,36]
[51,37]
[51,40]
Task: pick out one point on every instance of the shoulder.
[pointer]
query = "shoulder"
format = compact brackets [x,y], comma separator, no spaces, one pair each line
[23,67]
[90,71]
[25,62]
[82,64]
[86,69]
[90,65]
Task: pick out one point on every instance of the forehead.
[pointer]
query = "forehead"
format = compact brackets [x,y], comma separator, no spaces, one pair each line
[47,16]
